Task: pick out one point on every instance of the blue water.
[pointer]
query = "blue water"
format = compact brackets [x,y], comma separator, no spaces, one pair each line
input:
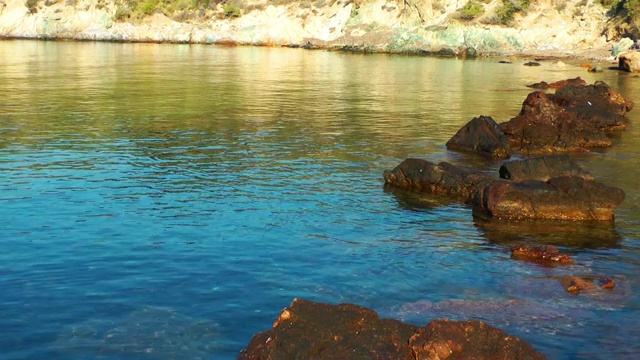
[167,201]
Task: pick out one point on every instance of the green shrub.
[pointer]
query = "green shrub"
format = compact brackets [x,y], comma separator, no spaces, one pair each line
[149,6]
[506,12]
[230,10]
[471,10]
[122,14]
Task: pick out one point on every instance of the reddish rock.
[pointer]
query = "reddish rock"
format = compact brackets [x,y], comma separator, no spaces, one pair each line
[445,339]
[558,84]
[548,254]
[560,198]
[311,330]
[481,135]
[597,102]
[606,283]
[546,127]
[575,118]
[423,176]
[576,284]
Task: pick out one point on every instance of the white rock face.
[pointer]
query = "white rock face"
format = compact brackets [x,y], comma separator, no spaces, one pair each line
[418,26]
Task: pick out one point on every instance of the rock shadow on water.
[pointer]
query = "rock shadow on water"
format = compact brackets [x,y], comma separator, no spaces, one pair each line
[572,234]
[416,201]
[149,333]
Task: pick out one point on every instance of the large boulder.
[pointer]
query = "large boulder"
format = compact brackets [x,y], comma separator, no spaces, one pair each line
[559,198]
[420,175]
[310,330]
[597,100]
[629,61]
[481,135]
[546,127]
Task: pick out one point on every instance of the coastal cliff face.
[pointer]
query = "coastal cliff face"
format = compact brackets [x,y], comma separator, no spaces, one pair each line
[440,27]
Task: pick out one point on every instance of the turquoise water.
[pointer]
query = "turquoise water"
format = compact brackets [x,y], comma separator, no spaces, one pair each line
[167,201]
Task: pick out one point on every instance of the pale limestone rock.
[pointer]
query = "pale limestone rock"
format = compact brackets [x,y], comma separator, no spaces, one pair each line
[629,61]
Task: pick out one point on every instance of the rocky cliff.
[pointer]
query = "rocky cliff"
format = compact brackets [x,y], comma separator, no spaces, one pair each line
[446,27]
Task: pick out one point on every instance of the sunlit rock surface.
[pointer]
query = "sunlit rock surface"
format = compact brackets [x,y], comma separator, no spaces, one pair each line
[310,330]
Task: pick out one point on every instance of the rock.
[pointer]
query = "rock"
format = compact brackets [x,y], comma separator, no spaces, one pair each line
[542,168]
[544,190]
[559,198]
[597,68]
[629,61]
[576,284]
[481,135]
[592,100]
[621,46]
[548,255]
[558,84]
[531,63]
[311,330]
[445,339]
[423,176]
[574,119]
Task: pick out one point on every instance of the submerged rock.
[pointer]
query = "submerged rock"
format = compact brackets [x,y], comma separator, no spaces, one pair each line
[548,254]
[311,330]
[576,284]
[481,135]
[558,84]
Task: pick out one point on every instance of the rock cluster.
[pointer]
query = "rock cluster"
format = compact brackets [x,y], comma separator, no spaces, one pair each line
[311,330]
[576,118]
[544,189]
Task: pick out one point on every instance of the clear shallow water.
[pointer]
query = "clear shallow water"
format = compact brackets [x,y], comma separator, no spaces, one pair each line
[165,201]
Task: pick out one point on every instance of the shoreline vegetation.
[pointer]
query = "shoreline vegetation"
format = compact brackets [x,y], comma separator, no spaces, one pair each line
[547,29]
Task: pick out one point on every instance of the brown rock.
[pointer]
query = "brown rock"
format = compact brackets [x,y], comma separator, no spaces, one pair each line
[481,135]
[575,284]
[445,339]
[606,283]
[547,254]
[558,84]
[311,330]
[544,126]
[423,176]
[560,198]
[542,168]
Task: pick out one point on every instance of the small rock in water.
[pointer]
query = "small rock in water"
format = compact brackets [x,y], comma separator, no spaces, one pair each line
[548,254]
[576,284]
[532,63]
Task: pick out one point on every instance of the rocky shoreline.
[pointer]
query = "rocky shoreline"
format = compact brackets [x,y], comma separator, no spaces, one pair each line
[576,30]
